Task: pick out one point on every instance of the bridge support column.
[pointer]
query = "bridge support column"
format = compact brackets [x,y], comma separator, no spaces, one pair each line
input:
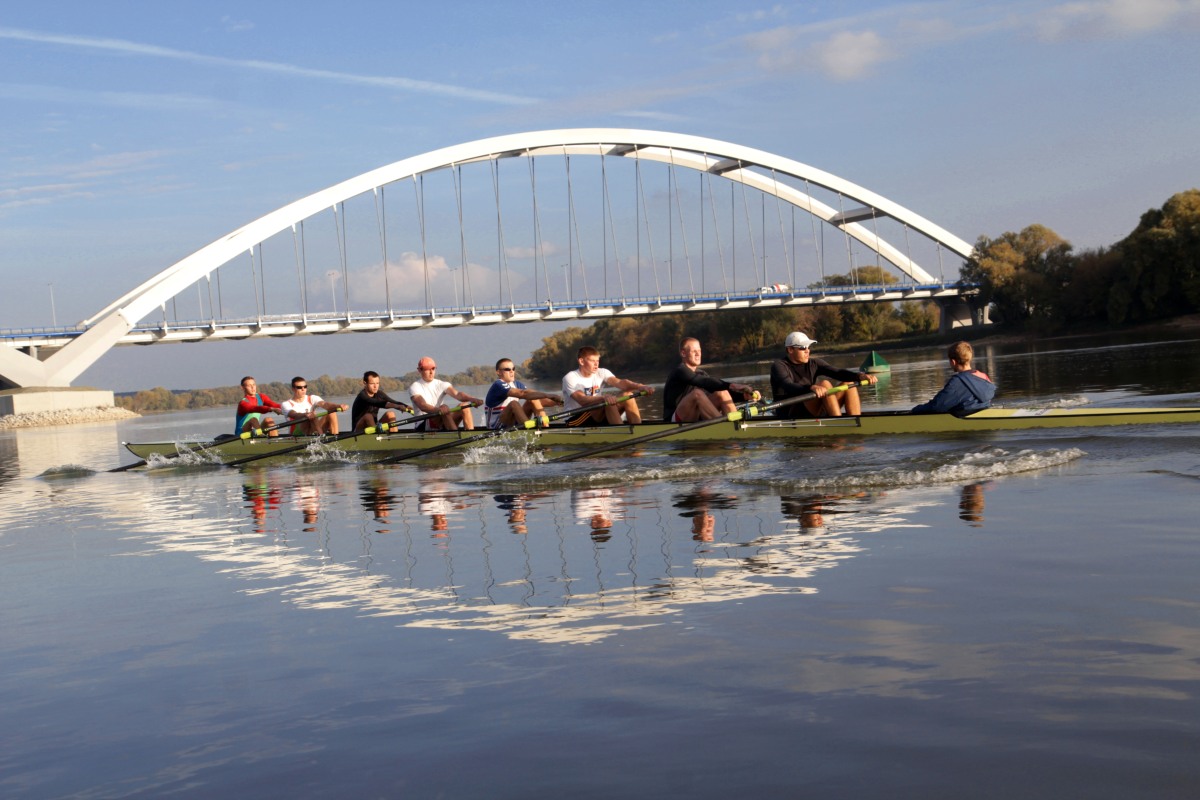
[33,400]
[961,312]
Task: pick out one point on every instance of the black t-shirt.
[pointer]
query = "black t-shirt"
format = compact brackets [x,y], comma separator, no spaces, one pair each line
[683,378]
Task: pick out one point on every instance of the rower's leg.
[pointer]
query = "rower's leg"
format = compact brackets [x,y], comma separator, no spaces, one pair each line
[633,414]
[830,407]
[852,402]
[722,403]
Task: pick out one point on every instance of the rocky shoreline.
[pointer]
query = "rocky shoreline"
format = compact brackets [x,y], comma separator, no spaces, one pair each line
[66,417]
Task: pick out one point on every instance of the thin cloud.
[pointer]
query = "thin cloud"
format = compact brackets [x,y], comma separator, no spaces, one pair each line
[1104,19]
[128,100]
[854,47]
[292,70]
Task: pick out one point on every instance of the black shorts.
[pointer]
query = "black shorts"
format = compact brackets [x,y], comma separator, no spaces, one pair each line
[589,419]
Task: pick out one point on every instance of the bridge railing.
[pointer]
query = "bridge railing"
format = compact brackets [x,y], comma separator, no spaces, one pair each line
[334,322]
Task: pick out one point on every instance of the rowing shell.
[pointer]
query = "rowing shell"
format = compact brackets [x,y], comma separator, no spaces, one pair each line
[869,424]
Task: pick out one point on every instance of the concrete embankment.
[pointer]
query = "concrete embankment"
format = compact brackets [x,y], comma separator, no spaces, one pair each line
[69,416]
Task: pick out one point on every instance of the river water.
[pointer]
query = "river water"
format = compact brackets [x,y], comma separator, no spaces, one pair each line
[1001,615]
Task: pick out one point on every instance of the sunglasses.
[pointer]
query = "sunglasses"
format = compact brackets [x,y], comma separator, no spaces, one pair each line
[508,369]
[299,385]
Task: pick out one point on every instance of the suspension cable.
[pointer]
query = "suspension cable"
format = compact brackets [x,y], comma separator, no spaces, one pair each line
[419,197]
[712,202]
[381,222]
[501,252]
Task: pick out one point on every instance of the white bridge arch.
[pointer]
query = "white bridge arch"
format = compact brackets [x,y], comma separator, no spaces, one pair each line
[61,359]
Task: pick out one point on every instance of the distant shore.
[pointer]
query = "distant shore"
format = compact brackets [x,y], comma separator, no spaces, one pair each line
[1187,325]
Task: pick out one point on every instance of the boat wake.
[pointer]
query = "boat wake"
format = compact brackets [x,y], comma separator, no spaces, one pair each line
[669,469]
[976,465]
[67,471]
[505,450]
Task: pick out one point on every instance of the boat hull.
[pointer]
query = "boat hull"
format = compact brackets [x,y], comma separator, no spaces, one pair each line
[762,428]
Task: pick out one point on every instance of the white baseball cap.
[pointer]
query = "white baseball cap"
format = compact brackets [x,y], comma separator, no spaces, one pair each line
[799,339]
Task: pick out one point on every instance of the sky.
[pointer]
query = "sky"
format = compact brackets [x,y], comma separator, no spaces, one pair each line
[135,133]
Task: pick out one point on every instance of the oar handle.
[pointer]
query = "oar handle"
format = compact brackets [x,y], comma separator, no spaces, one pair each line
[391,427]
[790,401]
[532,423]
[288,422]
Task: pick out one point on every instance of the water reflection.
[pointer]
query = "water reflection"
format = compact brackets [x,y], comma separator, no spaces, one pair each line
[598,509]
[697,506]
[971,503]
[377,498]
[548,584]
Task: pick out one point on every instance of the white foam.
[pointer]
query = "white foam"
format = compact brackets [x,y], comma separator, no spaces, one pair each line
[978,465]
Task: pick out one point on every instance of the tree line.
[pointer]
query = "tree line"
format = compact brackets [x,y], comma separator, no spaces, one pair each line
[162,399]
[1035,278]
[1030,278]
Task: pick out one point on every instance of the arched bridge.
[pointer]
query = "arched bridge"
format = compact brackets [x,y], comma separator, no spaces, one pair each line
[548,225]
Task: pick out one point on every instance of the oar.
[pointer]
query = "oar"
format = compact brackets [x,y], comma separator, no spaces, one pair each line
[496,432]
[195,448]
[383,427]
[733,416]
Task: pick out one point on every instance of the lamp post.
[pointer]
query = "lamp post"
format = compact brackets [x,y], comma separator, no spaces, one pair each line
[53,313]
[566,268]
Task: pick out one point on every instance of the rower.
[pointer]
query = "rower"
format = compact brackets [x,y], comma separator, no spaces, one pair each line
[510,403]
[365,413]
[967,391]
[429,393]
[303,407]
[690,394]
[582,387]
[252,411]
[799,373]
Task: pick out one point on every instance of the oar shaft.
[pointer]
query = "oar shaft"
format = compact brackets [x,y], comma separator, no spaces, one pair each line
[393,459]
[735,416]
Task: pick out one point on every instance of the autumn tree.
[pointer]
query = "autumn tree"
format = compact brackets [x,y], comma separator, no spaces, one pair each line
[1021,274]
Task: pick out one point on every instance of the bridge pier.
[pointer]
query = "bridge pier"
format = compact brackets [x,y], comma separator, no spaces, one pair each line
[37,399]
[961,312]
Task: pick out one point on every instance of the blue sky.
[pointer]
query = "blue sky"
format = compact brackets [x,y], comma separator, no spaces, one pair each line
[135,133]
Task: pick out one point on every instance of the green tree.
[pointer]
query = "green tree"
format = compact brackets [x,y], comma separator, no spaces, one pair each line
[1160,263]
[1021,274]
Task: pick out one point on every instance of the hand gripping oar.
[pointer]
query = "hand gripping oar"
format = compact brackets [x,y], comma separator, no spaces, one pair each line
[495,432]
[383,427]
[196,448]
[733,416]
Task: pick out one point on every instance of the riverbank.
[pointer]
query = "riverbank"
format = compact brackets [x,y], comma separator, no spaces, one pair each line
[72,416]
[1187,326]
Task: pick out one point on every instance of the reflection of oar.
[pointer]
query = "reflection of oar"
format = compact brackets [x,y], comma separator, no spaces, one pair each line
[196,448]
[493,433]
[384,427]
[733,416]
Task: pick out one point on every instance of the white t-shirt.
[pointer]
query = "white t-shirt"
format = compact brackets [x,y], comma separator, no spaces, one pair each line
[575,382]
[301,406]
[432,392]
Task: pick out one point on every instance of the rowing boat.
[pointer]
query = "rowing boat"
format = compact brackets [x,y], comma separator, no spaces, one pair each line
[869,424]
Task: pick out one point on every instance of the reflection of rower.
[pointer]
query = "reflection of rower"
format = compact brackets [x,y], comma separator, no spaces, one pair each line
[516,505]
[377,498]
[808,511]
[970,504]
[308,499]
[597,508]
[260,493]
[697,506]
[434,502]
